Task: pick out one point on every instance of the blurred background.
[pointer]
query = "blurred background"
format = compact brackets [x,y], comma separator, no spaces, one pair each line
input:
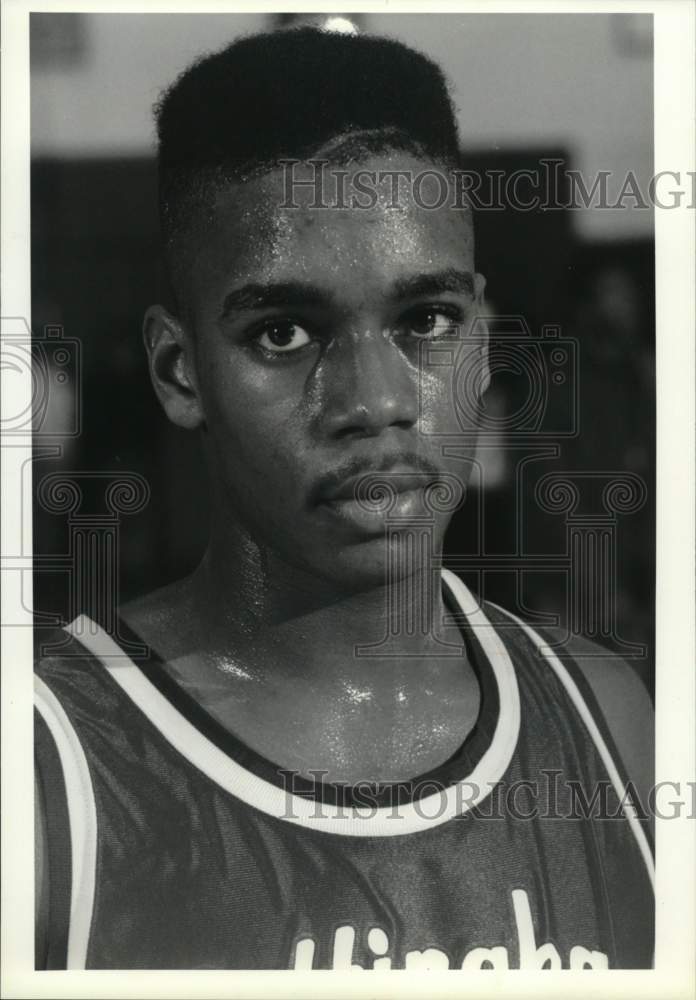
[571,87]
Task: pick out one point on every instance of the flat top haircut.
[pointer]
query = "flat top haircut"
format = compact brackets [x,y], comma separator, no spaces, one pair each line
[286,95]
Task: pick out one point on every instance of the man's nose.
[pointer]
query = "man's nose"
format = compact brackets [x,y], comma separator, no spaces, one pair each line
[369,387]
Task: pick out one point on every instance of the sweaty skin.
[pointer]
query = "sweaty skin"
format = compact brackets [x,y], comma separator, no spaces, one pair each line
[302,358]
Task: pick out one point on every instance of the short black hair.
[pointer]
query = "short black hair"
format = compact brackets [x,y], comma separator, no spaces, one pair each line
[284,95]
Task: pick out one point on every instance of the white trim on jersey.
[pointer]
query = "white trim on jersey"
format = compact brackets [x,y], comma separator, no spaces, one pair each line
[585,714]
[393,820]
[82,813]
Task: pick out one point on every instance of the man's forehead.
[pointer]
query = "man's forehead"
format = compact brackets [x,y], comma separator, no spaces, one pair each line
[351,209]
[368,187]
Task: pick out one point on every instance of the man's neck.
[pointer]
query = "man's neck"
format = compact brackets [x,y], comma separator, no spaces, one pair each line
[302,673]
[262,606]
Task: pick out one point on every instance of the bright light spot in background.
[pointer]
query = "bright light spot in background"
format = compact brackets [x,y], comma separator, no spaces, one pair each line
[341,25]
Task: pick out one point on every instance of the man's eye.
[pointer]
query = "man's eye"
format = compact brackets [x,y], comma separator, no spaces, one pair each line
[429,322]
[282,337]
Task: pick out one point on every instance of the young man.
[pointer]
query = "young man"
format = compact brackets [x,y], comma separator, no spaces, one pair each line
[333,757]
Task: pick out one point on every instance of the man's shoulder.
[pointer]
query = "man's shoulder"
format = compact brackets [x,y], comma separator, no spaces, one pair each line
[615,683]
[165,619]
[617,694]
[600,665]
[625,704]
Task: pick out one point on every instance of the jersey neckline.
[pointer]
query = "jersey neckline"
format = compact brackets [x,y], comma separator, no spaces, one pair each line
[449,790]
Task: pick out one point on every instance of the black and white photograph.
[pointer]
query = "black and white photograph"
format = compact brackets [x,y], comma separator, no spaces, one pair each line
[349,559]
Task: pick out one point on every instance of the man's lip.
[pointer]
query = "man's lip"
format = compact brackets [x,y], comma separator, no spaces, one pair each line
[367,486]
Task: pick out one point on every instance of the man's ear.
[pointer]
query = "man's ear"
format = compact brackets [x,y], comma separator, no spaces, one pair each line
[484,374]
[170,357]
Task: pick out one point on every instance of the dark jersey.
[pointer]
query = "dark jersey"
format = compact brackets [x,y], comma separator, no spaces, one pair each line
[171,845]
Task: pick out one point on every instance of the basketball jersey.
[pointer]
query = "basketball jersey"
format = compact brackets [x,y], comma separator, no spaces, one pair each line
[171,845]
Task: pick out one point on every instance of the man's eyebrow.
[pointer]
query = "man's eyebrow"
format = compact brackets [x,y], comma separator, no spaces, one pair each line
[284,293]
[449,280]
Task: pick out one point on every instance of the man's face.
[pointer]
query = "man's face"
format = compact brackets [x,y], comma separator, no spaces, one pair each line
[317,337]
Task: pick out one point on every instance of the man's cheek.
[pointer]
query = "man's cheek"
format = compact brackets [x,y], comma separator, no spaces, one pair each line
[436,409]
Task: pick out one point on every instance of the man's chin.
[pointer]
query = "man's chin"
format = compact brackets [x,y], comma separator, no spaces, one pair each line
[380,560]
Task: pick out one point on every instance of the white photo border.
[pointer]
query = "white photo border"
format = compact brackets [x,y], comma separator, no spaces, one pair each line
[673,975]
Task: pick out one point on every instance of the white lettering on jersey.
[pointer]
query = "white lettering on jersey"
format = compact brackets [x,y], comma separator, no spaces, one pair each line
[532,956]
[581,958]
[430,960]
[378,943]
[496,958]
[344,939]
[304,953]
